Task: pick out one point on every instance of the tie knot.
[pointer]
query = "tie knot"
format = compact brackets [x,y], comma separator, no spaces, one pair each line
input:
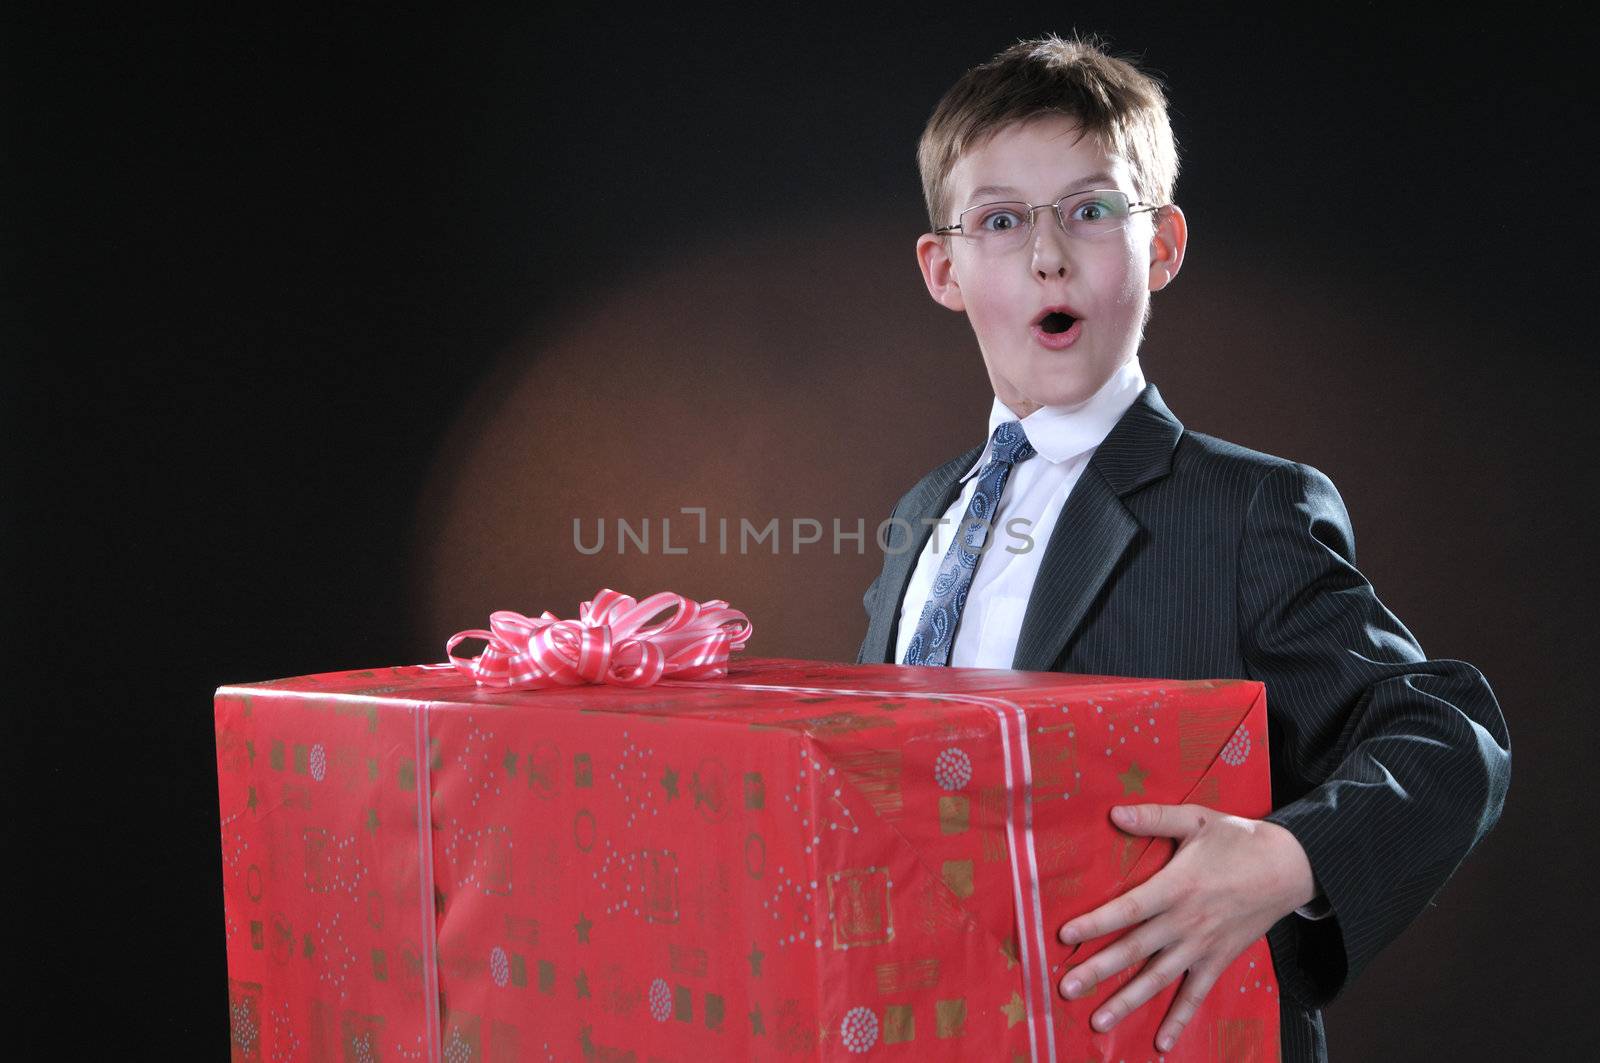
[1010,443]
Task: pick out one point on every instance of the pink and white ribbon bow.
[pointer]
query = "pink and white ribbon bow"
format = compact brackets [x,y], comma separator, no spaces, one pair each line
[606,644]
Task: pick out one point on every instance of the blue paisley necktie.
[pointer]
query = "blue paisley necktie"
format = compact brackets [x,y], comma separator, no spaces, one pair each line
[936,630]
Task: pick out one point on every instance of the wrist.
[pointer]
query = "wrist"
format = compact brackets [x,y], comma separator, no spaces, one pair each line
[1293,867]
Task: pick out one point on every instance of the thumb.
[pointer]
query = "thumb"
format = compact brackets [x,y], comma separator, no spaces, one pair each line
[1169,821]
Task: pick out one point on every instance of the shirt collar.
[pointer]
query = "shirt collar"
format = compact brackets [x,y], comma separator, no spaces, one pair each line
[1062,432]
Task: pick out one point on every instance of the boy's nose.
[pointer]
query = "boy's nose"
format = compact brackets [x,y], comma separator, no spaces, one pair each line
[1049,244]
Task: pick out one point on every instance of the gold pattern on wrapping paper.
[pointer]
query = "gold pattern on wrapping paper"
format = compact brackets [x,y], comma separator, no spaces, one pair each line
[957,874]
[709,785]
[658,870]
[1132,779]
[1202,734]
[1207,792]
[687,959]
[1008,949]
[361,1035]
[244,1019]
[875,773]
[899,1024]
[992,810]
[1240,1039]
[955,812]
[682,1003]
[461,1039]
[938,909]
[520,929]
[950,1017]
[543,770]
[755,791]
[1057,851]
[903,976]
[860,908]
[582,771]
[1014,1010]
[715,1010]
[1064,887]
[839,723]
[1055,765]
[755,855]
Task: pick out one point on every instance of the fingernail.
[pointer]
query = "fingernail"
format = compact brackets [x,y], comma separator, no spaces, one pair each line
[1070,936]
[1073,986]
[1123,814]
[1165,1044]
[1102,1020]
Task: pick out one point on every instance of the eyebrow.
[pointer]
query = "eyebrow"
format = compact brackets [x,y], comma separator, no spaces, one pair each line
[1094,180]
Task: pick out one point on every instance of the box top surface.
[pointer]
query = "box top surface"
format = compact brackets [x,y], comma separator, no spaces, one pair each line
[764,683]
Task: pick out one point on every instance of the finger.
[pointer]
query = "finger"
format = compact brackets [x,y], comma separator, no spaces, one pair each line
[1145,901]
[1150,938]
[1190,996]
[1166,821]
[1160,972]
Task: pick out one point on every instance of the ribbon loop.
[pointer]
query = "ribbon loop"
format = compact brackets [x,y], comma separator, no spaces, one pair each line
[608,643]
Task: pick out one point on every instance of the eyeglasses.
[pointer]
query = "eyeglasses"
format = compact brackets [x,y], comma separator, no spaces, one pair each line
[1001,227]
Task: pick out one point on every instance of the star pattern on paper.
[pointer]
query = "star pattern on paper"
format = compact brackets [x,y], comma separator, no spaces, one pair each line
[582,926]
[669,783]
[1132,779]
[1014,1010]
[582,982]
[756,1025]
[1008,949]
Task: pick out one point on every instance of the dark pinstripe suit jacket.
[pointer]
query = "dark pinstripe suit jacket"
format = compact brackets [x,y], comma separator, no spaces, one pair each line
[1183,556]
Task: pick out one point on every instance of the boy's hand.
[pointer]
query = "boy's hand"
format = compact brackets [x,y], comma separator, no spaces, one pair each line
[1229,881]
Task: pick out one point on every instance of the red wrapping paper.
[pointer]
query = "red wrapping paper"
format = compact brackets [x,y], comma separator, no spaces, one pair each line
[802,860]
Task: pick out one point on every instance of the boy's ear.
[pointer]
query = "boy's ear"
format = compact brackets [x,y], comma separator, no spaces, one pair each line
[938,272]
[1168,242]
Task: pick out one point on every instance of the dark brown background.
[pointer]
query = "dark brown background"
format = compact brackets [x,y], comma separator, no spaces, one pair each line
[329,326]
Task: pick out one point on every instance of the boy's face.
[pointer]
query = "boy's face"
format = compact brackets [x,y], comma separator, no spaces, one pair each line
[1106,281]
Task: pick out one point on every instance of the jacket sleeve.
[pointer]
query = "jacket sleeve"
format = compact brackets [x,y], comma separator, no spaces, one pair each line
[1387,767]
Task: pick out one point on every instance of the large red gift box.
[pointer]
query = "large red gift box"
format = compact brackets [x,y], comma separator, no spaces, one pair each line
[800,860]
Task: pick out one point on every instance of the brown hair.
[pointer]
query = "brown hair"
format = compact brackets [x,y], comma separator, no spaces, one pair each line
[1112,100]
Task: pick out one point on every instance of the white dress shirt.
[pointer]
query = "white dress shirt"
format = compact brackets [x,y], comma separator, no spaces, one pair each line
[1037,488]
[1065,438]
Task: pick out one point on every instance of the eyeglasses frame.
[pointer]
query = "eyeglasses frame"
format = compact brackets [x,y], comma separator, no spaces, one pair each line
[1138,207]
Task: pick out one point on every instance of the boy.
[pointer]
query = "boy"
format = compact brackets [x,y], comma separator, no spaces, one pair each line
[1136,547]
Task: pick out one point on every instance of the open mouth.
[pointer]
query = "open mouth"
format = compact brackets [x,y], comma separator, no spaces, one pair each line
[1056,322]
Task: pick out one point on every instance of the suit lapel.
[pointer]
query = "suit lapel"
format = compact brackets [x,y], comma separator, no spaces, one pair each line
[929,499]
[1094,529]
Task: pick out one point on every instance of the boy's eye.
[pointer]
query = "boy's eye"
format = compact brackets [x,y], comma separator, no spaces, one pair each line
[1092,211]
[998,219]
